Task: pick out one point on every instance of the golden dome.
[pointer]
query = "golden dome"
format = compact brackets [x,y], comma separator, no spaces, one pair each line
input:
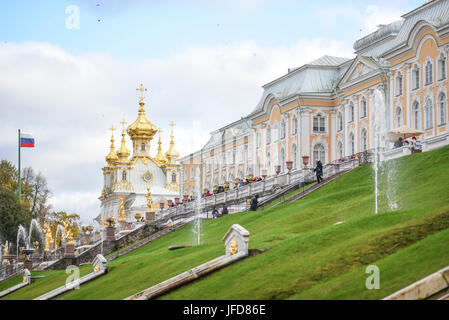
[111,158]
[123,153]
[142,128]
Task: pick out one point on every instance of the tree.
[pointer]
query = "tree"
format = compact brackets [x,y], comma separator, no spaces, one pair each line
[36,192]
[55,218]
[12,214]
[9,176]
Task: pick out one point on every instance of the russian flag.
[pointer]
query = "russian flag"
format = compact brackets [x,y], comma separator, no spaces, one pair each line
[26,141]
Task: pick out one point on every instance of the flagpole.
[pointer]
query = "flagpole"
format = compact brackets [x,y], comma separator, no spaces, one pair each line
[20,180]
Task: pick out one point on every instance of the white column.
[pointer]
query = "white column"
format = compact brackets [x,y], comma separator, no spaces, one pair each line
[305,133]
[408,89]
[333,137]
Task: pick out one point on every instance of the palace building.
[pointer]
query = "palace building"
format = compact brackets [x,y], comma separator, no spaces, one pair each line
[324,109]
[138,183]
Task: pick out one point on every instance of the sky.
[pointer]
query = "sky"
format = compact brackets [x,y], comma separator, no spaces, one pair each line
[69,71]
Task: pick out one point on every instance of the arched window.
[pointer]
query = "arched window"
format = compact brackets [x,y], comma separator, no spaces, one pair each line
[352,143]
[268,134]
[340,150]
[319,123]
[429,114]
[258,166]
[339,122]
[124,175]
[429,72]
[282,160]
[294,156]
[363,109]
[442,106]
[442,67]
[364,140]
[319,153]
[142,146]
[294,126]
[173,177]
[416,115]
[192,172]
[398,117]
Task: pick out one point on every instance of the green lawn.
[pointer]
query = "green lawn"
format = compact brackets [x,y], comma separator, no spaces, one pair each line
[11,282]
[308,256]
[50,281]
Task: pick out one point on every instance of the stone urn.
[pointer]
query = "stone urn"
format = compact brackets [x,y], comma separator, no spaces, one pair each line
[305,161]
[28,263]
[138,217]
[277,169]
[289,165]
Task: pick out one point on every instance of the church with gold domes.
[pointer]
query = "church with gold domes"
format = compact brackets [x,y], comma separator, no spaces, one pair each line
[138,183]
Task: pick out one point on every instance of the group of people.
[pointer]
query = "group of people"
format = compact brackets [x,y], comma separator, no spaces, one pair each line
[217,214]
[242,183]
[413,143]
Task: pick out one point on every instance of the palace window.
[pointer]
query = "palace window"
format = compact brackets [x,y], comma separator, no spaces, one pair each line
[294,156]
[192,173]
[142,147]
[429,73]
[429,114]
[186,172]
[269,163]
[319,153]
[340,150]
[416,115]
[364,140]
[339,121]
[442,67]
[363,108]
[124,175]
[442,106]
[319,123]
[276,132]
[351,112]
[173,177]
[283,129]
[258,138]
[415,77]
[398,117]
[352,143]
[268,135]
[399,86]
[282,160]
[294,126]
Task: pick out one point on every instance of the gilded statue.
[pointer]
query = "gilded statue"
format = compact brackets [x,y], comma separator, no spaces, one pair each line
[68,232]
[149,201]
[122,212]
[5,249]
[233,247]
[48,237]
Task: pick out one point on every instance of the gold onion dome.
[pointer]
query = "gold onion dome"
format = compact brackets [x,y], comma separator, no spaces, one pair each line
[142,128]
[123,153]
[111,158]
[172,154]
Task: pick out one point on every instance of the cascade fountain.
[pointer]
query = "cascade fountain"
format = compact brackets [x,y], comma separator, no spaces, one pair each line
[197,218]
[379,121]
[22,234]
[59,231]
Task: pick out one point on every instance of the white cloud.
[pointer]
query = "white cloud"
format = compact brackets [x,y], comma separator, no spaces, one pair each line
[68,102]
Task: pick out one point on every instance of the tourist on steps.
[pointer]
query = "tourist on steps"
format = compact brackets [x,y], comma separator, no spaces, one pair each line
[254,203]
[214,213]
[319,171]
[224,211]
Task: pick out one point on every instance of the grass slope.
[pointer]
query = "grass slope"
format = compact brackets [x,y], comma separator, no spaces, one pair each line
[308,256]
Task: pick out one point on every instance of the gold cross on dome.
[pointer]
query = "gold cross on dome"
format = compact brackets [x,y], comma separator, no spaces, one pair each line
[124,123]
[172,125]
[142,90]
[112,129]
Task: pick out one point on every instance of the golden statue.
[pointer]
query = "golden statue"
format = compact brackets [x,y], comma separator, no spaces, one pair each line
[121,214]
[48,237]
[149,201]
[233,247]
[5,249]
[97,268]
[68,232]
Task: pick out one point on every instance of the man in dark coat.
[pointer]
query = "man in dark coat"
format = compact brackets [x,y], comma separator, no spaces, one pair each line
[254,203]
[224,211]
[319,171]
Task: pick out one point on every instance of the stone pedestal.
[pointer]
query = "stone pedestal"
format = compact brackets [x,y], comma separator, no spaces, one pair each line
[149,217]
[28,265]
[70,251]
[110,234]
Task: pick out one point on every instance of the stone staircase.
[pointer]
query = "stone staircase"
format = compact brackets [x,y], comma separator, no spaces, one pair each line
[147,240]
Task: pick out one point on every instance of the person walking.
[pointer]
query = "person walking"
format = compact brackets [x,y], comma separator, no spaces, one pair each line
[214,213]
[319,171]
[254,203]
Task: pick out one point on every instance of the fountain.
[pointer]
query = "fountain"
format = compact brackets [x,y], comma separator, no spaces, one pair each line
[197,221]
[26,237]
[379,119]
[59,231]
